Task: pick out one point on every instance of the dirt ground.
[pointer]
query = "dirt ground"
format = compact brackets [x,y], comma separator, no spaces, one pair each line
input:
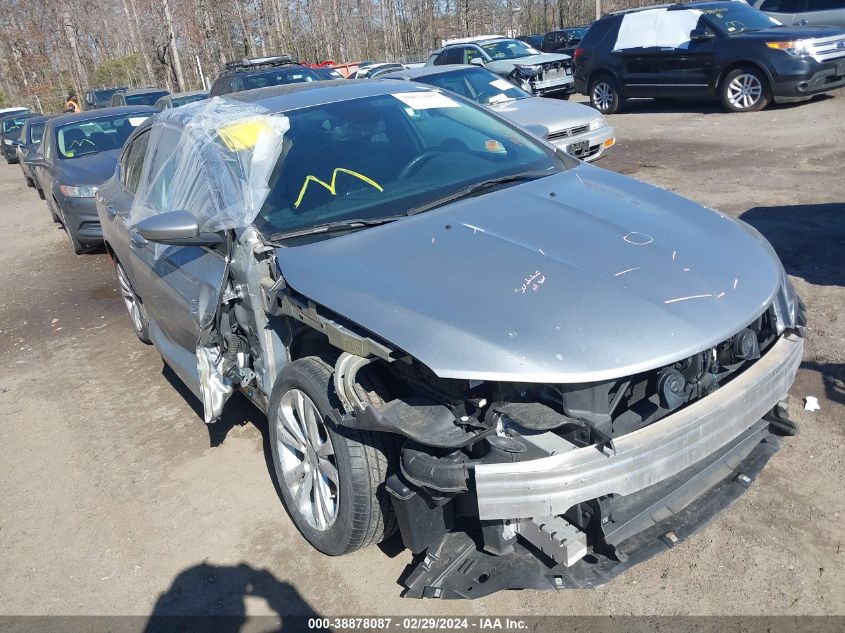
[115,498]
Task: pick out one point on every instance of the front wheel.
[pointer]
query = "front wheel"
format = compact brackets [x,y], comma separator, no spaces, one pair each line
[331,478]
[745,90]
[136,310]
[605,95]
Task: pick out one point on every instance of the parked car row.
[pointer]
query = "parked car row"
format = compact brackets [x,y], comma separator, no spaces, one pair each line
[433,300]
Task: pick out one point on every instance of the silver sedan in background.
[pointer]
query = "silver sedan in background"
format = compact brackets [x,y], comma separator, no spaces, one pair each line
[577,129]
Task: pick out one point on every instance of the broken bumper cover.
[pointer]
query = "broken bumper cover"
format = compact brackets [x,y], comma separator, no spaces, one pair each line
[552,485]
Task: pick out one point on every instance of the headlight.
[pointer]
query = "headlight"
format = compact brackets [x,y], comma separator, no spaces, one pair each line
[78,192]
[795,47]
[527,71]
[597,123]
[7,141]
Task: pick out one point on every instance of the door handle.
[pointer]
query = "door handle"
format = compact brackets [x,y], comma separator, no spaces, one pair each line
[136,239]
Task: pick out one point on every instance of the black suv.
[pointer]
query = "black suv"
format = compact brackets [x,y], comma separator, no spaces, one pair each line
[260,72]
[703,50]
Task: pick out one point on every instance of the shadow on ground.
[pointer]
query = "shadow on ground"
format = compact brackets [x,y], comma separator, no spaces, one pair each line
[213,598]
[808,239]
[697,106]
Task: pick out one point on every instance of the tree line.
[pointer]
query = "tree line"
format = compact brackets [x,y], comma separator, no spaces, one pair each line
[50,48]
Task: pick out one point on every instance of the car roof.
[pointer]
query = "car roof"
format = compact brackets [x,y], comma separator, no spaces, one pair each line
[707,4]
[142,91]
[187,93]
[302,95]
[42,117]
[102,113]
[426,71]
[16,115]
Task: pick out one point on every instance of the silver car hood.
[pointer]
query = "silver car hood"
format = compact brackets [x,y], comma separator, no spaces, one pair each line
[553,114]
[582,276]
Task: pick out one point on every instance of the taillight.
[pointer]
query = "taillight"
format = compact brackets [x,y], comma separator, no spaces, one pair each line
[578,52]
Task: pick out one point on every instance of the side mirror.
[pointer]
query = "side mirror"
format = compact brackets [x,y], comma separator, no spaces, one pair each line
[476,61]
[801,22]
[538,130]
[700,35]
[178,228]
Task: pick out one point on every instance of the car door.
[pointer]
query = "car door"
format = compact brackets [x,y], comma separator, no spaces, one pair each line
[685,72]
[823,13]
[787,11]
[44,168]
[117,199]
[638,72]
[180,285]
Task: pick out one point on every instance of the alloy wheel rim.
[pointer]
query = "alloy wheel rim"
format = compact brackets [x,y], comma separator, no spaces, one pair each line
[744,91]
[307,460]
[603,95]
[129,298]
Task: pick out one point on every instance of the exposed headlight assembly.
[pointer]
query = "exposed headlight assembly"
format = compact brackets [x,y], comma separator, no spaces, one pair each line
[598,122]
[795,47]
[527,72]
[72,191]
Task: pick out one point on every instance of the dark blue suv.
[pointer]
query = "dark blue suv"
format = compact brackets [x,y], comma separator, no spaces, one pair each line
[727,50]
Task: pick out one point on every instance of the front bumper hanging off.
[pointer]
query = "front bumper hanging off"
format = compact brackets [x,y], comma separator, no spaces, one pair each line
[665,480]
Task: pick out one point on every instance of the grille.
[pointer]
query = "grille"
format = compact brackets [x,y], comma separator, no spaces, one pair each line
[572,131]
[823,49]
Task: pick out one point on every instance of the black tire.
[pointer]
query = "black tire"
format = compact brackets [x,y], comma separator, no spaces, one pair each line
[746,85]
[139,321]
[43,197]
[605,95]
[29,182]
[75,244]
[363,460]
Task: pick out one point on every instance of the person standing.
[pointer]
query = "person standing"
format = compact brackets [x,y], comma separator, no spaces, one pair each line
[71,104]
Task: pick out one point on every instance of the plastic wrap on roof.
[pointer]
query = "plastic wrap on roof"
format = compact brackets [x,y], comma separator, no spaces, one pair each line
[657,28]
[211,158]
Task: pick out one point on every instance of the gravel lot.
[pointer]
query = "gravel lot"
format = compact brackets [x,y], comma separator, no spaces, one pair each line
[115,498]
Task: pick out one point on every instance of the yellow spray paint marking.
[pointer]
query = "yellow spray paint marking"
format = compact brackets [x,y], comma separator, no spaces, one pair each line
[331,186]
[243,135]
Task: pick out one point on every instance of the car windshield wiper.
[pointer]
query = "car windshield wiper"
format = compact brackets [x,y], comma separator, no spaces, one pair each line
[478,187]
[334,227]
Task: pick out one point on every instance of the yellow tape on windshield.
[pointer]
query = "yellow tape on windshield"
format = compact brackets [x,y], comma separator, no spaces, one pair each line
[331,186]
[243,135]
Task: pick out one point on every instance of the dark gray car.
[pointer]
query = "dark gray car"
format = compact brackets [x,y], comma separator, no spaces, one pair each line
[138,97]
[77,154]
[27,147]
[456,330]
[10,133]
[176,99]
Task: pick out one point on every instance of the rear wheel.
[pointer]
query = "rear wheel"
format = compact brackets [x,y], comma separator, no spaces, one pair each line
[331,478]
[605,95]
[136,310]
[745,90]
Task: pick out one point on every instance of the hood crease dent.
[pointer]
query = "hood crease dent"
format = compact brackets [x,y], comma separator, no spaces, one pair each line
[559,280]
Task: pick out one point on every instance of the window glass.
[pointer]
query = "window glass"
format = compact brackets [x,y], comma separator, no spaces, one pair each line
[183,100]
[296,74]
[134,162]
[453,55]
[737,17]
[36,131]
[784,6]
[477,84]
[146,98]
[96,135]
[385,155]
[12,127]
[508,49]
[825,5]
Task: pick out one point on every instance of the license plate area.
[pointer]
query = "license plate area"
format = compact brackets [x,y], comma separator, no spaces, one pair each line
[578,149]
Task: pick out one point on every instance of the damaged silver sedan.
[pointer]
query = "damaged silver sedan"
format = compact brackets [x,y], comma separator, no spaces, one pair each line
[538,371]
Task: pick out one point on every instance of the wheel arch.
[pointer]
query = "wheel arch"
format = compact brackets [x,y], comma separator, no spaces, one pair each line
[605,70]
[742,63]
